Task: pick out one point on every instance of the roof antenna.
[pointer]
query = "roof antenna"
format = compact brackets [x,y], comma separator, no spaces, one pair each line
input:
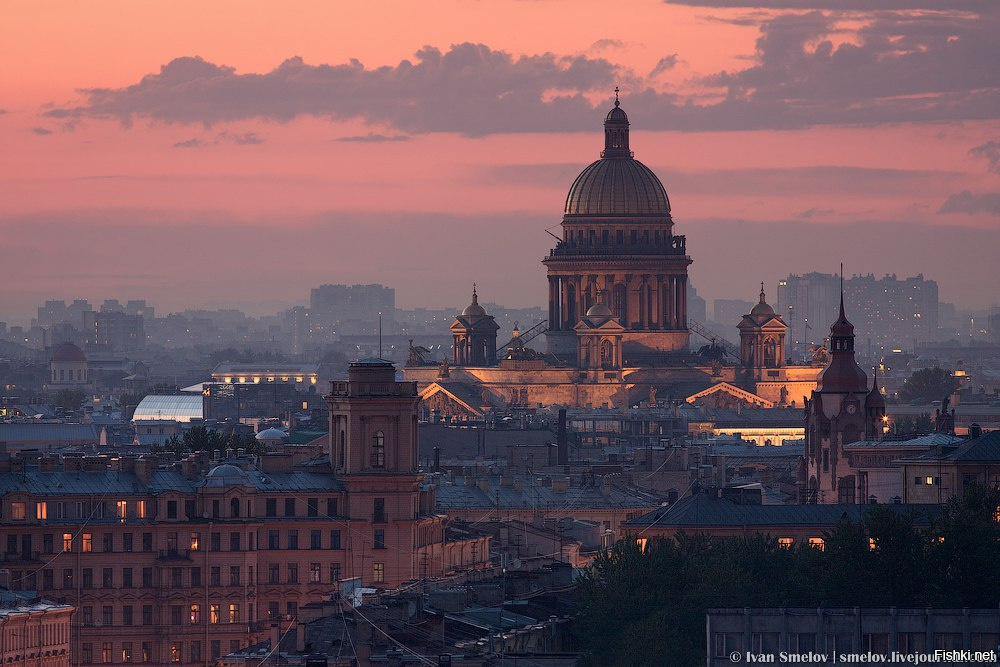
[842,316]
[380,335]
[617,103]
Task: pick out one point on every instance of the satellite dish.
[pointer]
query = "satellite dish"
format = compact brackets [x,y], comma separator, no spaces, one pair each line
[515,564]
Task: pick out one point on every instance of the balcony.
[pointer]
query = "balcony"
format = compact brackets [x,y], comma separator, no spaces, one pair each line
[174,554]
[345,388]
[675,246]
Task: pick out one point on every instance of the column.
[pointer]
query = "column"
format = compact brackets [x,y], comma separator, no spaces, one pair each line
[553,296]
[683,309]
[656,314]
[563,302]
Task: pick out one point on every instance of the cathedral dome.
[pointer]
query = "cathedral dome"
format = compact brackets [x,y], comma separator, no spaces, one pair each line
[763,308]
[617,184]
[599,310]
[67,352]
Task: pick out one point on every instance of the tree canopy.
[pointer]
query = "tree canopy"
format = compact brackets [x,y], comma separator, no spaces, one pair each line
[201,439]
[636,606]
[928,384]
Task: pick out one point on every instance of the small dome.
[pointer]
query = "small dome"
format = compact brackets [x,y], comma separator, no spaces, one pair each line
[599,310]
[226,475]
[474,309]
[762,308]
[271,434]
[616,115]
[66,352]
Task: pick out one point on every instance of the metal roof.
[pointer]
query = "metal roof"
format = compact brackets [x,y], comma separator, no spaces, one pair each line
[458,495]
[180,408]
[27,432]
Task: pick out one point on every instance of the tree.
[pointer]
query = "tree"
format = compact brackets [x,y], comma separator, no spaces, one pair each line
[69,399]
[928,384]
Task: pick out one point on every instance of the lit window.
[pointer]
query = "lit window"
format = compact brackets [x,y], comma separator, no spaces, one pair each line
[195,614]
[88,542]
[641,541]
[929,480]
[41,511]
[17,511]
[122,507]
[872,544]
[234,613]
[378,572]
[175,653]
[213,613]
[140,509]
[195,541]
[67,542]
[785,542]
[817,543]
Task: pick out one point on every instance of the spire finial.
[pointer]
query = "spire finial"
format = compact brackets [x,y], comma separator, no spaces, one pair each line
[842,315]
[475,297]
[762,291]
[617,103]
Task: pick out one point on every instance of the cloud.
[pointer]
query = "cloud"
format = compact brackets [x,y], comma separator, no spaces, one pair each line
[991,152]
[41,131]
[664,64]
[375,138]
[841,5]
[603,44]
[808,69]
[244,139]
[972,204]
[815,212]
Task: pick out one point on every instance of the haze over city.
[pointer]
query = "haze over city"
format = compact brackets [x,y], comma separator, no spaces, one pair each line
[211,155]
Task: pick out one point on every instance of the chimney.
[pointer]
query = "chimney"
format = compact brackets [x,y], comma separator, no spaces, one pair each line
[975,430]
[484,485]
[563,452]
[519,485]
[606,486]
[437,459]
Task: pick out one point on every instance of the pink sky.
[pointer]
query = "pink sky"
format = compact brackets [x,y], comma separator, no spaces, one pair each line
[204,154]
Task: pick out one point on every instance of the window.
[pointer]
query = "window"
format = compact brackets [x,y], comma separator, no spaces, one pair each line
[126,651]
[121,509]
[88,577]
[176,649]
[378,572]
[195,614]
[293,573]
[140,509]
[292,609]
[17,511]
[273,573]
[234,613]
[315,539]
[213,613]
[88,542]
[147,541]
[195,541]
[175,614]
[802,642]
[41,511]
[147,577]
[273,539]
[727,642]
[272,609]
[47,546]
[234,541]
[67,542]
[216,541]
[127,615]
[293,539]
[215,576]
[67,578]
[147,651]
[331,507]
[47,579]
[817,543]
[126,577]
[172,543]
[876,642]
[88,615]
[196,652]
[171,509]
[764,642]
[312,506]
[785,542]
[107,542]
[105,651]
[216,648]
[334,572]
[234,575]
[947,640]
[314,570]
[107,578]
[378,510]
[271,507]
[127,542]
[107,615]
[379,540]
[335,539]
[378,450]
[175,577]
[234,507]
[88,653]
[196,576]
[289,506]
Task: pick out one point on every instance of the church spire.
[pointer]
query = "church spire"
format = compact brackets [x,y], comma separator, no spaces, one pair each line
[616,132]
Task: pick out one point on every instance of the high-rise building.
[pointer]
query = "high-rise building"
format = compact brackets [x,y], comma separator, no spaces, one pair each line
[340,303]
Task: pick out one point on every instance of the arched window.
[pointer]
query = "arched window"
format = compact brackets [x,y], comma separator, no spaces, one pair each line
[343,448]
[234,507]
[378,450]
[607,354]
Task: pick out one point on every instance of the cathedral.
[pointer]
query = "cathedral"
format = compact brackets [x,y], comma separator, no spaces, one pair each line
[617,329]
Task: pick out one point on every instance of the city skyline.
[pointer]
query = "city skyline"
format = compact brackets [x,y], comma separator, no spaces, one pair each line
[200,163]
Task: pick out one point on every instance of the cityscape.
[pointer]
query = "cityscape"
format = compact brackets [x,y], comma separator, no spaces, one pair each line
[395,335]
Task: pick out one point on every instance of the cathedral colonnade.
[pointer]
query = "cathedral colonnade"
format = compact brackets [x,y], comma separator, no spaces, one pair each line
[641,302]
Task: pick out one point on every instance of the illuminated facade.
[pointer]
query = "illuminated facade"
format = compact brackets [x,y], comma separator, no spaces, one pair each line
[34,633]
